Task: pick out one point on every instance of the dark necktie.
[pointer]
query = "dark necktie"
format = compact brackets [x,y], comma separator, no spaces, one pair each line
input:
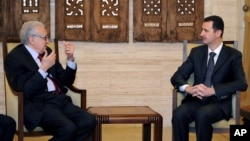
[40,57]
[57,89]
[210,68]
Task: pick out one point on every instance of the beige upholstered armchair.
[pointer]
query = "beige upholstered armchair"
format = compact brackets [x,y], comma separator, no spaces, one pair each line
[14,100]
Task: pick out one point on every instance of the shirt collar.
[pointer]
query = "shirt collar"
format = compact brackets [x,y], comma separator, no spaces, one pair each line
[33,53]
[217,50]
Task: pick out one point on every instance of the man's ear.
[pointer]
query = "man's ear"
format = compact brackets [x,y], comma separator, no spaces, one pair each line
[218,33]
[31,40]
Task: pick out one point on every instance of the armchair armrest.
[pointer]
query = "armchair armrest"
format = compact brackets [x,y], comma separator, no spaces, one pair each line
[177,98]
[174,98]
[79,96]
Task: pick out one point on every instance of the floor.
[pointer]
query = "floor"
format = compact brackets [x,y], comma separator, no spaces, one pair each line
[132,133]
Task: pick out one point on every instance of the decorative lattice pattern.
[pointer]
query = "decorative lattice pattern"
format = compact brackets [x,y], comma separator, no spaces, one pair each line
[151,7]
[30,6]
[110,8]
[74,7]
[185,7]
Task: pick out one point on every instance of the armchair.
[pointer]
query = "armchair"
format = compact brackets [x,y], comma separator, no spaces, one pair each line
[14,100]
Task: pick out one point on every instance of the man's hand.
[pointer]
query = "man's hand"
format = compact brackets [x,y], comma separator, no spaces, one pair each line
[192,91]
[48,60]
[200,91]
[69,50]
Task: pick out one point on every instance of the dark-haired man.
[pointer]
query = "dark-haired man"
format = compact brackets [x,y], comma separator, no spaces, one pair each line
[208,100]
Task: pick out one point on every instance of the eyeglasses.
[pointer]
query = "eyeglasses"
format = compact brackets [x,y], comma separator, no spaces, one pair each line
[46,38]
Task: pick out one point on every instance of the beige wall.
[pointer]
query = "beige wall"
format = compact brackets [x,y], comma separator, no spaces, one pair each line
[137,73]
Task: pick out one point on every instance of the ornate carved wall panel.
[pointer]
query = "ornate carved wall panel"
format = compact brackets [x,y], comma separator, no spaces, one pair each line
[73,19]
[185,22]
[109,20]
[2,19]
[150,20]
[20,11]
[167,20]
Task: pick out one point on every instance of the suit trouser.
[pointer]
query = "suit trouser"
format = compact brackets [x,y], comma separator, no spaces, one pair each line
[203,113]
[67,122]
[7,128]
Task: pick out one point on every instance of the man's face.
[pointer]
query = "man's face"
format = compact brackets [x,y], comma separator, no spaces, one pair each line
[208,34]
[40,40]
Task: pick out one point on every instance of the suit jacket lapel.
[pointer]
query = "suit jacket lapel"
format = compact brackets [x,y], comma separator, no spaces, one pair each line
[203,61]
[221,59]
[28,57]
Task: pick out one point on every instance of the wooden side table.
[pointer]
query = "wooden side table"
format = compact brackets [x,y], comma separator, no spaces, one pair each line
[128,115]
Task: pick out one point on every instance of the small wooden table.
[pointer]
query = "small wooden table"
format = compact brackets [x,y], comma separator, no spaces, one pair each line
[128,115]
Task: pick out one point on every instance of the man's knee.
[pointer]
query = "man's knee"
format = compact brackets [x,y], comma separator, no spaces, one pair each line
[90,121]
[68,129]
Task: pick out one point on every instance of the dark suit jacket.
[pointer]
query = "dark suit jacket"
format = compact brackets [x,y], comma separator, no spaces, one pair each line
[22,74]
[227,78]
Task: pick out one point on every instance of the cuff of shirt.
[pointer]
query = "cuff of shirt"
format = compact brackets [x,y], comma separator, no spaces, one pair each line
[43,73]
[183,87]
[71,64]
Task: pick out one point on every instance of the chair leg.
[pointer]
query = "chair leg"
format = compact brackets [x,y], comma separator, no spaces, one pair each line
[20,138]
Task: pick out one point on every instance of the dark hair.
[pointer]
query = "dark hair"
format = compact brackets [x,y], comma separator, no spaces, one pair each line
[218,23]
